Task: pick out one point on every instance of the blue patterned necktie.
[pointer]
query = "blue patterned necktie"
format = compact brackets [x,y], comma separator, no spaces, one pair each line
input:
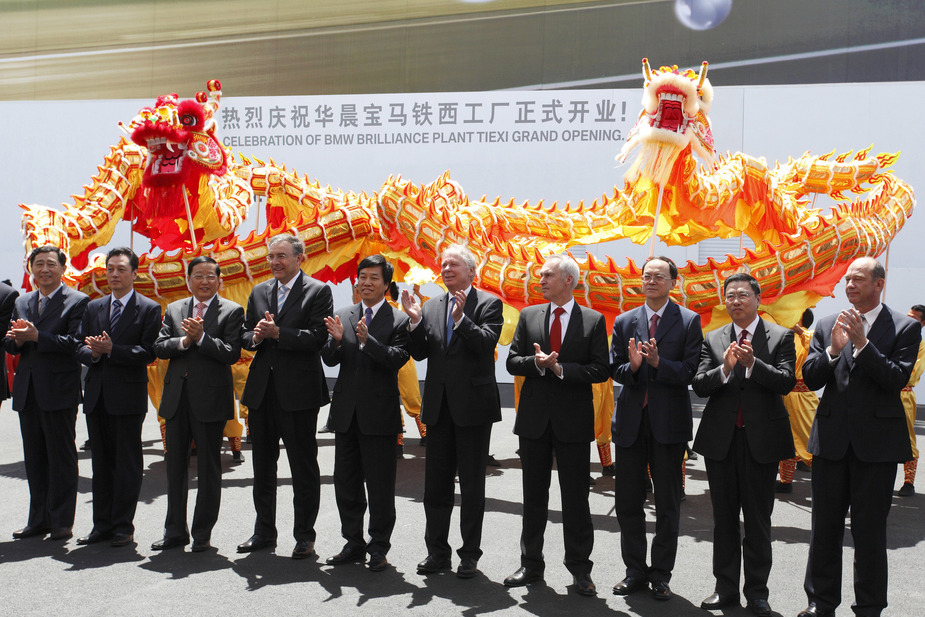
[369,315]
[281,297]
[116,314]
[42,302]
[449,320]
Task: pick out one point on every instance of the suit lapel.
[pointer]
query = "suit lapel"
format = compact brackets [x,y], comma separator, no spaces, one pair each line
[211,316]
[642,325]
[882,327]
[760,341]
[354,317]
[443,304]
[544,317]
[670,317]
[271,298]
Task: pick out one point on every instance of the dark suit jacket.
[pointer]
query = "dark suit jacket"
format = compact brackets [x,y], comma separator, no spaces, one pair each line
[464,372]
[566,403]
[861,405]
[49,364]
[767,423]
[679,338]
[295,357]
[120,378]
[8,297]
[367,384]
[206,368]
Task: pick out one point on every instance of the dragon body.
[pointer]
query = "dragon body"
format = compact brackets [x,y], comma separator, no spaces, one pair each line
[678,188]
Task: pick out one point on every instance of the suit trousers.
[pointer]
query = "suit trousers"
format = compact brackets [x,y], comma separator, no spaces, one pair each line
[573,465]
[360,458]
[268,424]
[453,449]
[182,429]
[50,456]
[118,467]
[740,482]
[867,488]
[664,461]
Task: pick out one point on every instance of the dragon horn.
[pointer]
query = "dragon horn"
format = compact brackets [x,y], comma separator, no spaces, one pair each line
[645,70]
[703,74]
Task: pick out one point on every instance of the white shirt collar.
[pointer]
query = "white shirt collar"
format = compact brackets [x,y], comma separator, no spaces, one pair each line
[375,307]
[124,299]
[750,328]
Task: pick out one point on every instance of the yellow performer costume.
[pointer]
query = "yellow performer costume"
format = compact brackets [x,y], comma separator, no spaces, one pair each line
[908,398]
[801,404]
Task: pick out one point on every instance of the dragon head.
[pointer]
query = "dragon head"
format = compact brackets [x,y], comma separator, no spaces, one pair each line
[182,152]
[674,116]
[180,138]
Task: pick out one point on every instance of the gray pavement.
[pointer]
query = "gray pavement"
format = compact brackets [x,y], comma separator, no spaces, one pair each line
[42,577]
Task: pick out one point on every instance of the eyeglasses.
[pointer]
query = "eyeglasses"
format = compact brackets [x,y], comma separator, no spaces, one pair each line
[742,295]
[205,277]
[658,278]
[279,256]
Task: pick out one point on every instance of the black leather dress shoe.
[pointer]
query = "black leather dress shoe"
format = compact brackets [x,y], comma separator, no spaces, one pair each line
[93,538]
[434,564]
[661,590]
[468,568]
[377,562]
[813,611]
[167,543]
[303,549]
[200,546]
[122,539]
[718,601]
[255,543]
[60,533]
[523,576]
[628,585]
[584,585]
[759,606]
[348,554]
[30,531]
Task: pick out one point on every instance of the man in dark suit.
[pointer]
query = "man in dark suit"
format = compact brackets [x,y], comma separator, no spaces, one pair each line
[201,337]
[46,392]
[561,349]
[369,341]
[285,387]
[8,297]
[457,333]
[653,354]
[863,357]
[116,343]
[746,368]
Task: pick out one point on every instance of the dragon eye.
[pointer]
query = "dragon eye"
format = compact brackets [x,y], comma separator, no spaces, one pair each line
[188,120]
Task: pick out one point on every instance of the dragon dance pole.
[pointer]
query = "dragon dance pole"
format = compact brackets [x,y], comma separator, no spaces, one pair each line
[658,210]
[189,218]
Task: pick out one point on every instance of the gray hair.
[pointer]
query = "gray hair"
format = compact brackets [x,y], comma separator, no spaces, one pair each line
[298,247]
[461,251]
[566,267]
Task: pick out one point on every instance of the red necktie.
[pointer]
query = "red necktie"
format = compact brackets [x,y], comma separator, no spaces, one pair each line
[653,326]
[555,331]
[200,310]
[740,371]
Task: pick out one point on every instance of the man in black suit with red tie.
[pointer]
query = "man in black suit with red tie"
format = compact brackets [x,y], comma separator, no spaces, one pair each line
[46,392]
[201,338]
[369,341]
[653,354]
[116,344]
[555,418]
[863,357]
[746,368]
[285,388]
[457,333]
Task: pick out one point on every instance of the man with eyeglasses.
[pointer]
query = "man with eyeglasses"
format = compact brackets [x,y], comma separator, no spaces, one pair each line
[653,354]
[201,339]
[746,368]
[863,356]
[285,388]
[46,392]
[116,344]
